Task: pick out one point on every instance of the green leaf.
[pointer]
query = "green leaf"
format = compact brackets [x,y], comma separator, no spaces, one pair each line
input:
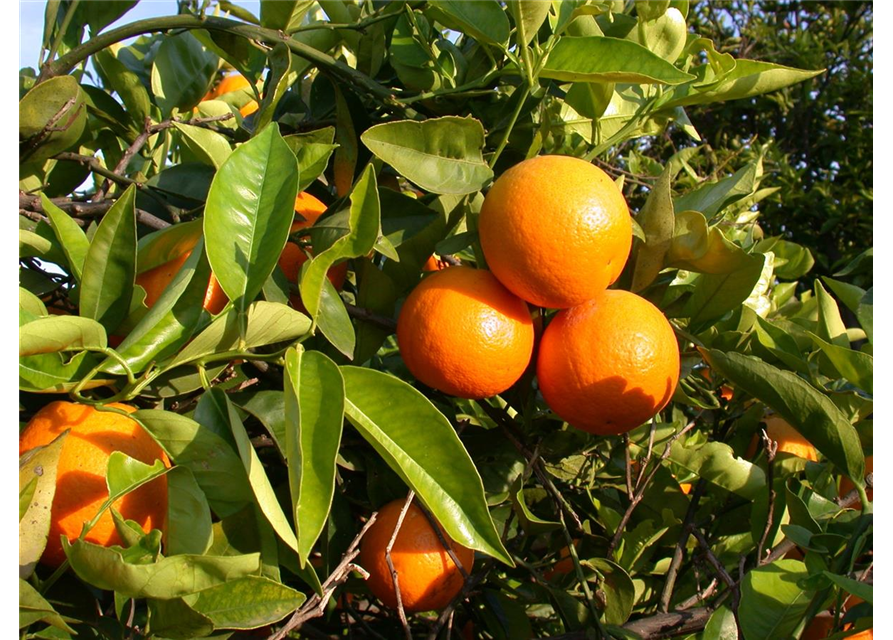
[664,35]
[441,155]
[792,261]
[55,373]
[603,59]
[716,294]
[38,464]
[247,603]
[269,407]
[188,514]
[56,104]
[713,197]
[420,445]
[213,462]
[31,304]
[249,213]
[110,266]
[126,84]
[171,577]
[865,313]
[830,325]
[314,415]
[176,620]
[805,408]
[772,602]
[620,593]
[721,625]
[658,223]
[313,150]
[72,238]
[855,587]
[103,14]
[697,247]
[529,14]
[364,230]
[264,496]
[283,15]
[52,334]
[182,72]
[748,78]
[717,463]
[334,321]
[174,318]
[268,323]
[483,19]
[855,366]
[207,146]
[33,607]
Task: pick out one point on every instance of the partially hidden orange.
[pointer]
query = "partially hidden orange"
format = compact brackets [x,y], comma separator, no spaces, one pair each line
[555,230]
[789,440]
[463,333]
[608,365]
[156,280]
[427,575]
[229,83]
[290,261]
[81,472]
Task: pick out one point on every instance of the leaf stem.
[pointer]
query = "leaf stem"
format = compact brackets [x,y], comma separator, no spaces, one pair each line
[525,92]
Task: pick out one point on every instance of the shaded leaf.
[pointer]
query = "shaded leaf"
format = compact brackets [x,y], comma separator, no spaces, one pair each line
[52,334]
[247,603]
[38,464]
[772,602]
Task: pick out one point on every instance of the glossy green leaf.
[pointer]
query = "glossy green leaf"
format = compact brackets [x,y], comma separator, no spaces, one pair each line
[188,514]
[334,321]
[664,35]
[160,247]
[247,603]
[792,261]
[808,410]
[712,197]
[313,150]
[52,334]
[214,464]
[70,235]
[55,373]
[33,607]
[420,445]
[174,318]
[364,230]
[284,15]
[33,245]
[249,214]
[279,78]
[38,464]
[721,625]
[695,246]
[830,325]
[780,344]
[176,620]
[485,20]
[855,366]
[603,59]
[748,78]
[56,104]
[30,303]
[530,15]
[314,415]
[126,84]
[268,323]
[110,266]
[441,155]
[865,313]
[207,146]
[172,577]
[182,72]
[717,463]
[855,587]
[716,294]
[268,406]
[264,496]
[658,223]
[772,601]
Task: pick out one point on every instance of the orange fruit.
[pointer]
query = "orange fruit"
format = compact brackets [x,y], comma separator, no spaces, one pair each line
[230,83]
[608,365]
[156,280]
[685,487]
[822,625]
[435,264]
[428,577]
[564,565]
[788,438]
[846,485]
[463,333]
[555,230]
[310,208]
[81,473]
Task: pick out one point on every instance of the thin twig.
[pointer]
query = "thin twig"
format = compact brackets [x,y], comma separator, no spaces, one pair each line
[700,596]
[85,210]
[771,450]
[679,551]
[315,606]
[443,541]
[394,577]
[366,315]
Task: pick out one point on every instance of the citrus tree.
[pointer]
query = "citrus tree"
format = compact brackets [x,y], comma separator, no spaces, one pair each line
[431,330]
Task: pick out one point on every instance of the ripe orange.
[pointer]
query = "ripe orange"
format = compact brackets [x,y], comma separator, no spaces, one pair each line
[156,280]
[310,208]
[555,230]
[81,473]
[461,332]
[435,264]
[428,577]
[788,438]
[564,565]
[608,365]
[230,83]
[846,485]
[822,625]
[290,261]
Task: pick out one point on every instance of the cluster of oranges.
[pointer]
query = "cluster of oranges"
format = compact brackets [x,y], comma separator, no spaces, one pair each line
[555,232]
